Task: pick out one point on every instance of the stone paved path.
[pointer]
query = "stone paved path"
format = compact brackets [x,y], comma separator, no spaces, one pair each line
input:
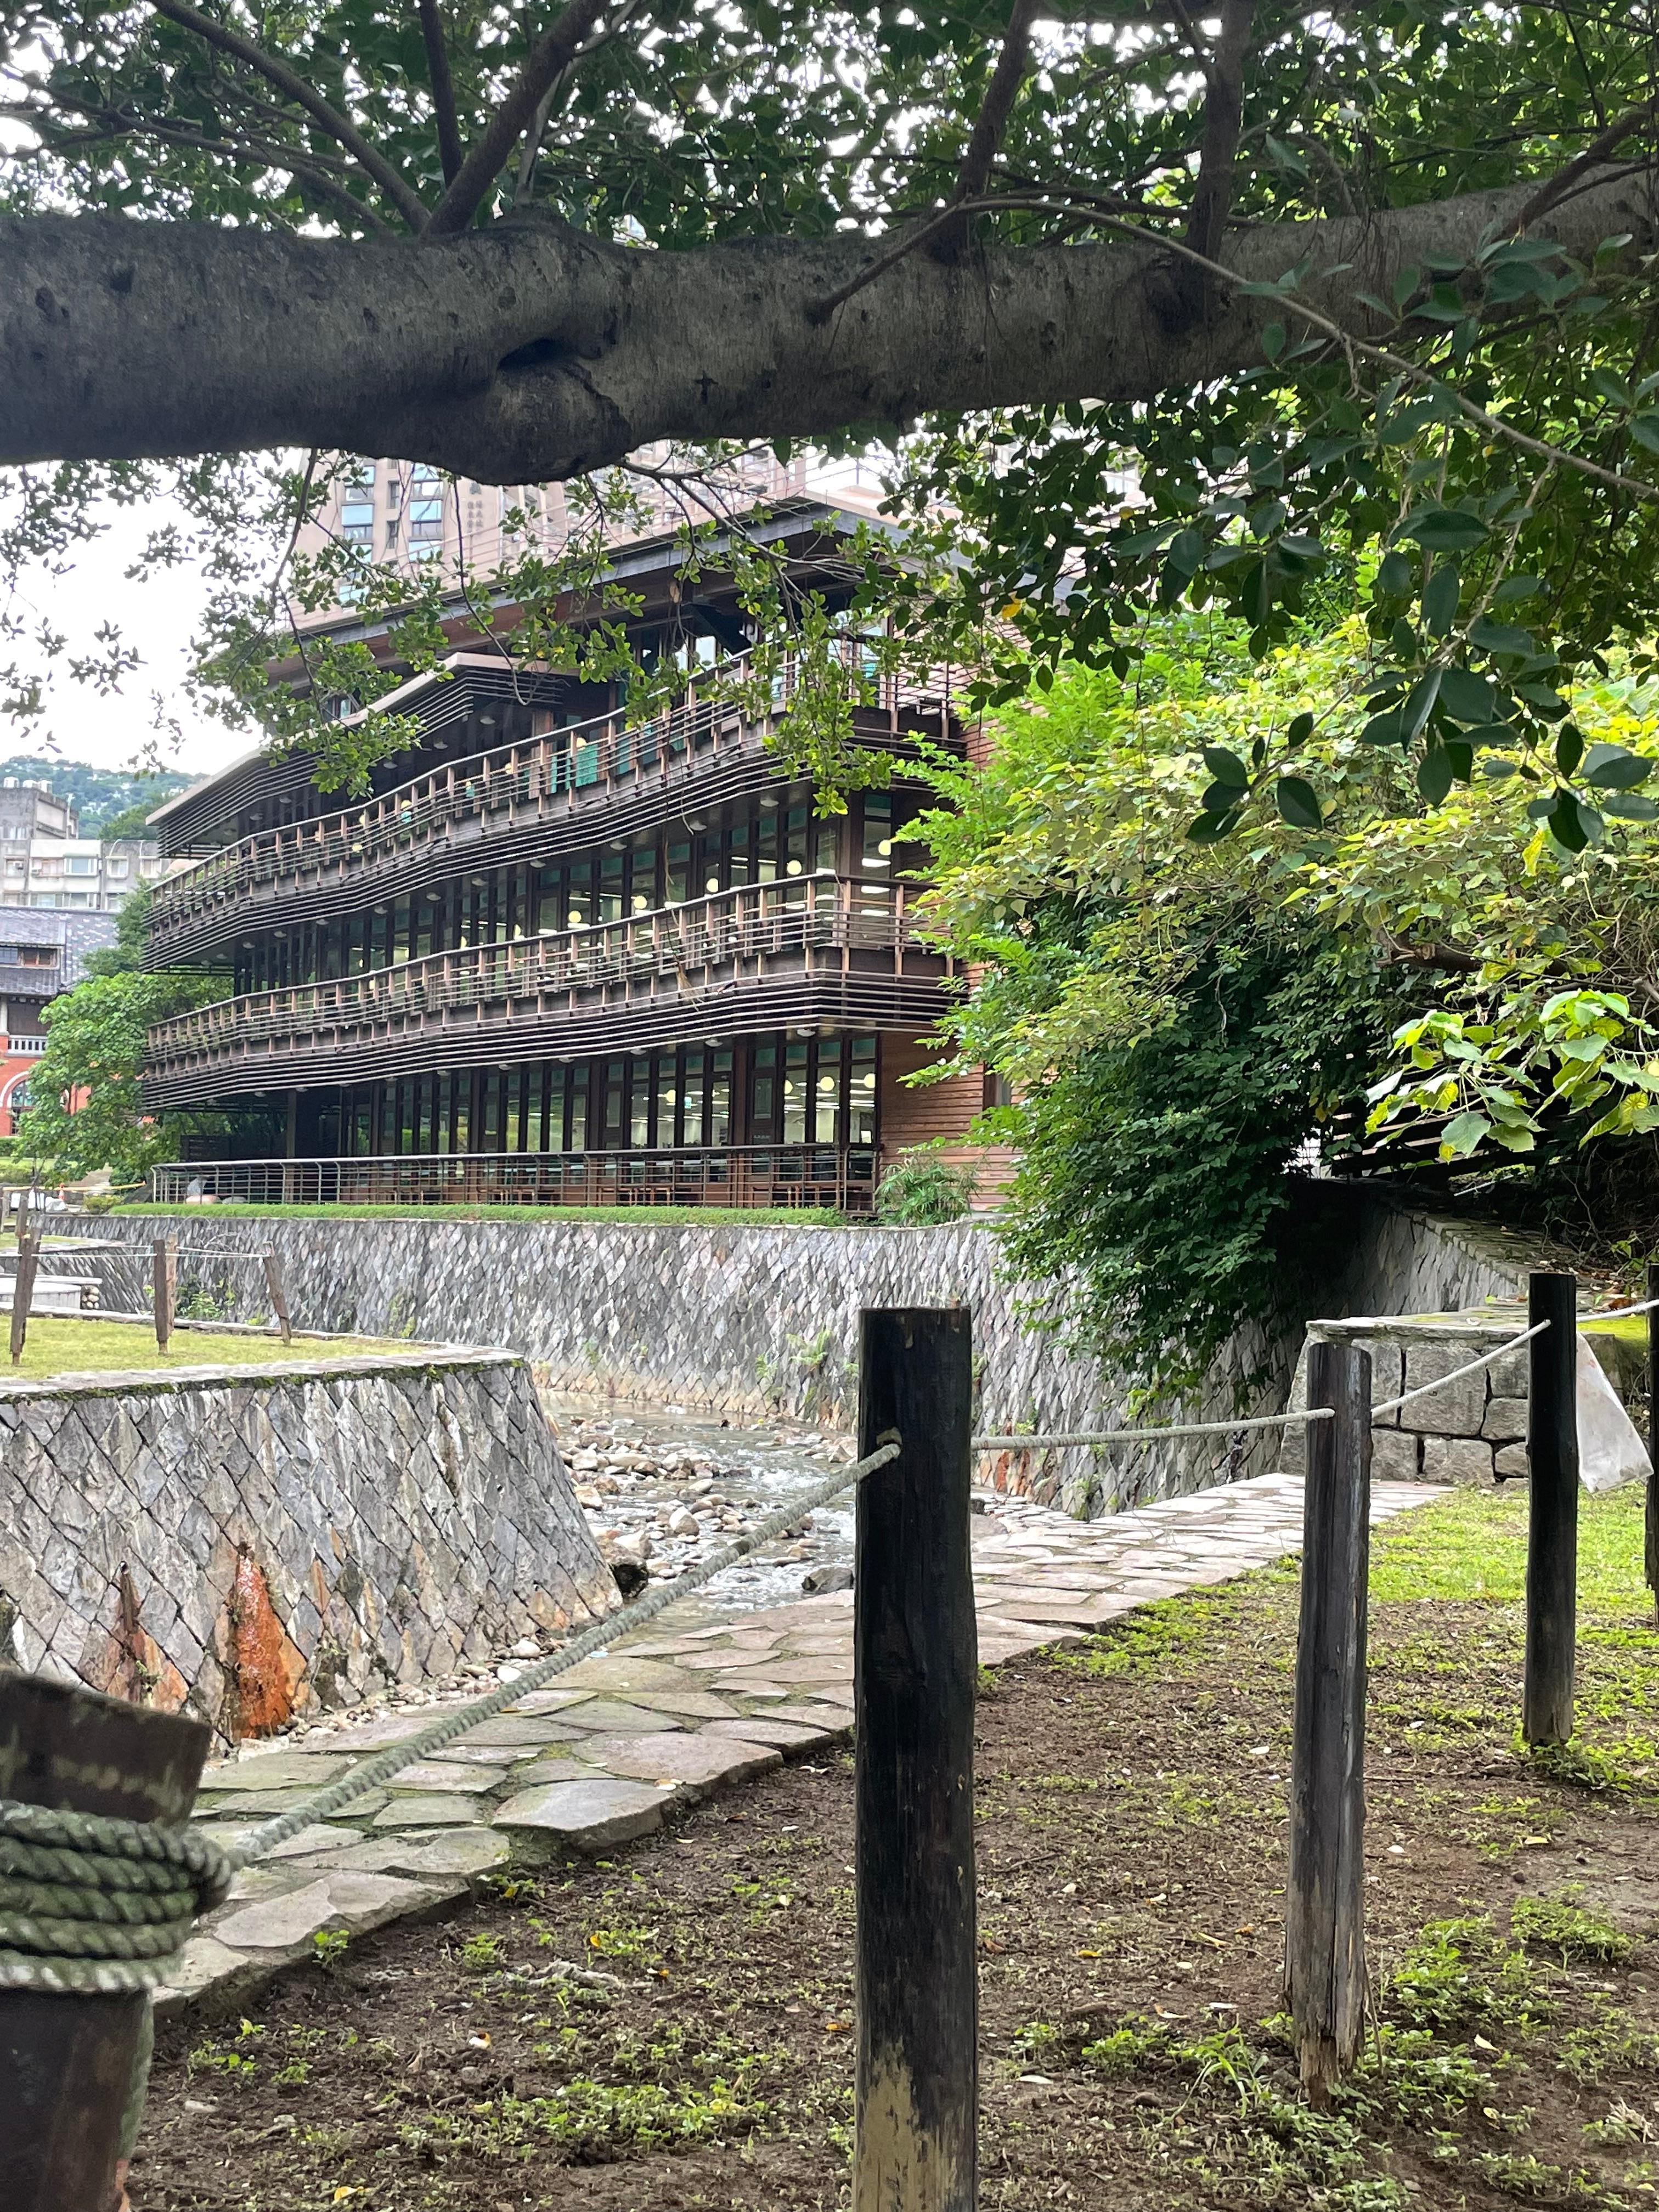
[668,1715]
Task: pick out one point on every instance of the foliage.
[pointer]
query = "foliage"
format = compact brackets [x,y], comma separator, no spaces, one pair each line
[922,1189]
[1450,445]
[1181,1019]
[85,1109]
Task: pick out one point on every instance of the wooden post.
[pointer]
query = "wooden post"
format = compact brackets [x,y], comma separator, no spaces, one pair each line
[166,1289]
[1325,1896]
[1553,1512]
[915,1670]
[278,1296]
[22,1292]
[1650,1549]
[67,2062]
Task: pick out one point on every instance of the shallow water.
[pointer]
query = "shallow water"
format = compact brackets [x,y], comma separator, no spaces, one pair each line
[758,1467]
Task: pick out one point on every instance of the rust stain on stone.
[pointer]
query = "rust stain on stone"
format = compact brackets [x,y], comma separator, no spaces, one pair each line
[128,1663]
[266,1669]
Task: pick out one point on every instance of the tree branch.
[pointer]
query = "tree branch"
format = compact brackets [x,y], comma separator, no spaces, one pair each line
[989,124]
[346,133]
[1224,117]
[443,88]
[490,154]
[528,351]
[1556,188]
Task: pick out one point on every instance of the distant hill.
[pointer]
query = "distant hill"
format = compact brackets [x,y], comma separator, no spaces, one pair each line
[100,794]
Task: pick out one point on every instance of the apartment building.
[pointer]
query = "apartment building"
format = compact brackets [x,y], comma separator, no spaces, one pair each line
[41,956]
[29,809]
[559,958]
[76,872]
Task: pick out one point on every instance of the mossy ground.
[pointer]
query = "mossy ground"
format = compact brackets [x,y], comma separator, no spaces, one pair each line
[1130,1826]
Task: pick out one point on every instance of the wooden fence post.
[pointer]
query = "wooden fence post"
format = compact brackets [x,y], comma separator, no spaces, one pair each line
[22,1292]
[67,2062]
[1651,1546]
[1552,1509]
[278,1296]
[1325,1896]
[915,1669]
[166,1289]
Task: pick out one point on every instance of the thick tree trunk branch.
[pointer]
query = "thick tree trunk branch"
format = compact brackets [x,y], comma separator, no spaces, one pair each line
[990,123]
[407,202]
[443,88]
[490,156]
[1223,119]
[529,351]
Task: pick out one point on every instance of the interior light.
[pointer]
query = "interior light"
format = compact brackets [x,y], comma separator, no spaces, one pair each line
[866,1082]
[886,845]
[794,868]
[712,884]
[574,917]
[826,1083]
[641,902]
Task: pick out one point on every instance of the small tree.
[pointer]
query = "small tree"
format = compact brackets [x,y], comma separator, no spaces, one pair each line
[922,1190]
[85,1110]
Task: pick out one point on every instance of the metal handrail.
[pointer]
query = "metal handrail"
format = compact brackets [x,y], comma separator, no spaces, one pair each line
[603,750]
[752,921]
[797,1172]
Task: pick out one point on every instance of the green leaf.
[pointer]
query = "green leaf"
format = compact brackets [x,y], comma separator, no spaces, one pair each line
[1569,749]
[1463,1133]
[1502,637]
[1467,697]
[1226,767]
[1186,554]
[1440,597]
[1644,429]
[1444,529]
[1567,822]
[1209,827]
[1301,729]
[1514,588]
[1272,340]
[1434,774]
[1298,803]
[1393,575]
[1629,806]
[1612,767]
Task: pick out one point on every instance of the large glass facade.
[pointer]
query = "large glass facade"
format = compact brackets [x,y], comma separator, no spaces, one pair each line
[762,1090]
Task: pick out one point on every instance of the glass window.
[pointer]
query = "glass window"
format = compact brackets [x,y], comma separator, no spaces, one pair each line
[579,881]
[719,1100]
[639,1119]
[693,1088]
[642,880]
[668,1091]
[610,886]
[426,521]
[579,1077]
[861,1092]
[763,1119]
[677,873]
[826,1092]
[357,523]
[739,855]
[796,1077]
[877,853]
[798,841]
[616,1092]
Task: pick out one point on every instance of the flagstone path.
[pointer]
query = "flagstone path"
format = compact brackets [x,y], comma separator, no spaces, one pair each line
[671,1714]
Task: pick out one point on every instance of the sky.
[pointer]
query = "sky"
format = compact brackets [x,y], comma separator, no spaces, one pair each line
[157,618]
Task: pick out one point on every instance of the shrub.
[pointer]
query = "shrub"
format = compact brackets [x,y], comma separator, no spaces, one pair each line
[921,1190]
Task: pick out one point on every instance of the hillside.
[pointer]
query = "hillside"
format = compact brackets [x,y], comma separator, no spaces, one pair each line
[101,794]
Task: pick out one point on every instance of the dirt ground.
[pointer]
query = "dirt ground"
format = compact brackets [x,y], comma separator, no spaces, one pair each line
[673,2029]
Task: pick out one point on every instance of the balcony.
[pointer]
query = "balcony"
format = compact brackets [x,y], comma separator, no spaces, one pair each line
[817,948]
[536,800]
[730,1175]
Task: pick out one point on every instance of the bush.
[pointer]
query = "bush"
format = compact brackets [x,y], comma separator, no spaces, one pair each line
[920,1190]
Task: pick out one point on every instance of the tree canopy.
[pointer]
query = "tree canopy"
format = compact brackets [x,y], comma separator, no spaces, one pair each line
[1182,305]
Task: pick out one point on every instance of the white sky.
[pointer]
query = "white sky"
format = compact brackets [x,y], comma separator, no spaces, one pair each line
[158,619]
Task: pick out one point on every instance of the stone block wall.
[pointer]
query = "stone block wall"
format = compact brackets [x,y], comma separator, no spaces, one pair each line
[750,1322]
[1472,1431]
[251,1542]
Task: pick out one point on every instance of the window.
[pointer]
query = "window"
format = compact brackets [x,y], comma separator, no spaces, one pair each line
[357,523]
[826,1092]
[426,521]
[118,866]
[796,1077]
[81,864]
[719,1100]
[11,955]
[861,1092]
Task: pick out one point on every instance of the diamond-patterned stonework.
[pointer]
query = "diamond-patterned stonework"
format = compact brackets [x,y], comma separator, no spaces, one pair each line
[391,1514]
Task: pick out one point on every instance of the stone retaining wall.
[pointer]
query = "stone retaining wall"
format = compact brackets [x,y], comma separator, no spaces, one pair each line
[251,1541]
[755,1321]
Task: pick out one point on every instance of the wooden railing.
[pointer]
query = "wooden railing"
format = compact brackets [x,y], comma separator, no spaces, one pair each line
[842,1176]
[753,923]
[506,785]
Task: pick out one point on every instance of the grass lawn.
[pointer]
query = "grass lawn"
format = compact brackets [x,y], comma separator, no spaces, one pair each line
[673,2028]
[60,1346]
[645,1216]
